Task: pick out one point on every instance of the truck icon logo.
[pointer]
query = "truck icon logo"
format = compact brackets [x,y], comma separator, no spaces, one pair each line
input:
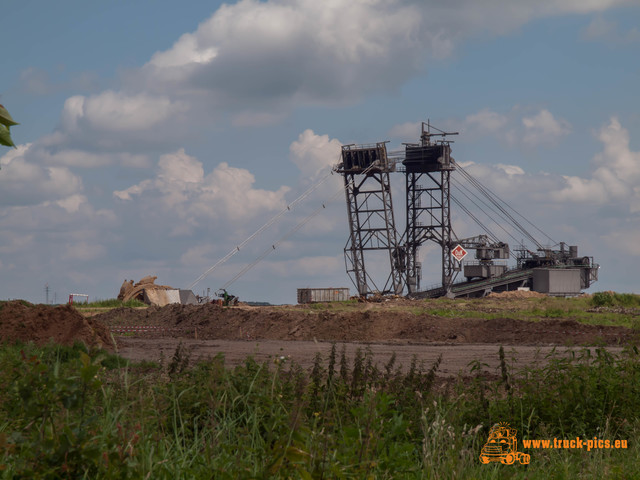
[502,446]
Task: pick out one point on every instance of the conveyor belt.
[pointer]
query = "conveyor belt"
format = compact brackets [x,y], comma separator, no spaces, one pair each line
[510,280]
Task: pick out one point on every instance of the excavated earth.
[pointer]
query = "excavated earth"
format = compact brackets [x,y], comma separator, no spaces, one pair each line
[459,332]
[371,323]
[21,321]
[455,335]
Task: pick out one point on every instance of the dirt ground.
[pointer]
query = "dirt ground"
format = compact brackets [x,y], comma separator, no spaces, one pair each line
[462,332]
[402,326]
[456,359]
[370,323]
[21,321]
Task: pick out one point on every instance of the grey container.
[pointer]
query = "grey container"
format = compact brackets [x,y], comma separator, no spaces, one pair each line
[314,295]
[484,270]
[557,281]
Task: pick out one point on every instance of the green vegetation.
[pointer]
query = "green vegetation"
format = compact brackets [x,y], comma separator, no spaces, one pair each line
[616,309]
[66,412]
[6,122]
[603,308]
[613,299]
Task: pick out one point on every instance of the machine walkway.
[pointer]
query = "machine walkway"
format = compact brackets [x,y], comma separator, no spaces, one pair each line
[510,280]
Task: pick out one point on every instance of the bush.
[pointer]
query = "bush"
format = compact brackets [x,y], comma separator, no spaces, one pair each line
[612,299]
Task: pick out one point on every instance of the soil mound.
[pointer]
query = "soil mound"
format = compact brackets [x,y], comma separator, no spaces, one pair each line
[21,321]
[211,322]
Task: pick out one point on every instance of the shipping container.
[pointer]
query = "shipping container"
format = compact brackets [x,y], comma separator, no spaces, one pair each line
[314,295]
[557,281]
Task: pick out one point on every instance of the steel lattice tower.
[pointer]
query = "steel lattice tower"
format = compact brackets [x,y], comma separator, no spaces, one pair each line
[366,171]
[428,170]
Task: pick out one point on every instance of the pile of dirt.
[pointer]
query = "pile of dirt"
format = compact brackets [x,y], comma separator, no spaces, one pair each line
[368,324]
[21,321]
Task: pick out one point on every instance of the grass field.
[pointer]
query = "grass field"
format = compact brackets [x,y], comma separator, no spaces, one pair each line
[66,412]
[601,308]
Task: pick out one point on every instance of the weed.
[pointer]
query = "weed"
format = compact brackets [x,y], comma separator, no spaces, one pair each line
[611,299]
[180,360]
[63,415]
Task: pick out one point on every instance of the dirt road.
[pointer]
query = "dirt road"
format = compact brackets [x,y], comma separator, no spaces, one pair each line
[462,331]
[455,358]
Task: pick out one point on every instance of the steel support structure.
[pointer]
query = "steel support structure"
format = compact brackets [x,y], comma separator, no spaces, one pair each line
[428,219]
[428,166]
[371,227]
[371,221]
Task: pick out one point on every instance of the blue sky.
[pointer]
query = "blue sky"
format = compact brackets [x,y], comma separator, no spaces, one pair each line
[155,136]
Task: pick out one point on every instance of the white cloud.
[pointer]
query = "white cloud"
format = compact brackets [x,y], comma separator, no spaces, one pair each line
[613,182]
[486,121]
[408,131]
[514,128]
[113,128]
[616,177]
[268,57]
[87,159]
[116,111]
[544,128]
[181,186]
[314,153]
[72,203]
[185,51]
[511,169]
[253,62]
[511,181]
[25,183]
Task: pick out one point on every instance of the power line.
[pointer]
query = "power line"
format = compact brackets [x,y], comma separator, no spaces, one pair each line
[274,219]
[461,186]
[497,202]
[297,227]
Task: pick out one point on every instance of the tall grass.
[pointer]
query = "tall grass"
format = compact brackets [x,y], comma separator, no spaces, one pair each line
[614,299]
[74,413]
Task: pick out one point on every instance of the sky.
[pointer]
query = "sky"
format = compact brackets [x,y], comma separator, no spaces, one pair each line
[155,137]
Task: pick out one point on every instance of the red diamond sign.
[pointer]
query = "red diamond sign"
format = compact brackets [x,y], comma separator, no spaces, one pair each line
[459,253]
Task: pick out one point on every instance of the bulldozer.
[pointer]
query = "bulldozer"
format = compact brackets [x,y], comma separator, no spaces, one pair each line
[226,298]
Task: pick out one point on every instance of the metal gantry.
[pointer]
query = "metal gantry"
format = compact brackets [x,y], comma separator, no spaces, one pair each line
[366,171]
[428,169]
[427,166]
